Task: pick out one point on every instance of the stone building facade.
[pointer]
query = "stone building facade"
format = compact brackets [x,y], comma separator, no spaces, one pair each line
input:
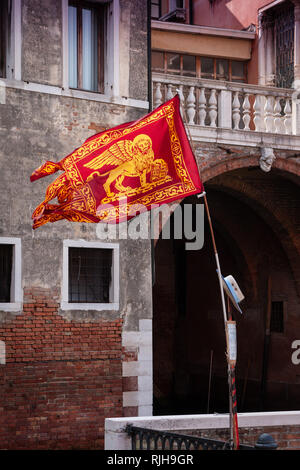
[66,365]
[62,368]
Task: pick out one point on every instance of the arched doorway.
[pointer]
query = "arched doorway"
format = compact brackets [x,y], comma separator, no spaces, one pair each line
[256,221]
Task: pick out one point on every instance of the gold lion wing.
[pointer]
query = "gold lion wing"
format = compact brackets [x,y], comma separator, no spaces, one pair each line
[117,154]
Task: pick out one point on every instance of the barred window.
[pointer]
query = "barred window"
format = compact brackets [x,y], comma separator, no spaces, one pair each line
[90,275]
[277,317]
[6,258]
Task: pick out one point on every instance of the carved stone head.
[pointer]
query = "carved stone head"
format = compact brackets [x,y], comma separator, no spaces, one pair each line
[267,158]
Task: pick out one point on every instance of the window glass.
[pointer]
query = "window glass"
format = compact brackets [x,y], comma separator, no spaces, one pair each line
[277,317]
[189,65]
[3,37]
[237,68]
[207,67]
[222,69]
[173,62]
[89,50]
[86,50]
[155,9]
[158,61]
[6,255]
[90,272]
[72,52]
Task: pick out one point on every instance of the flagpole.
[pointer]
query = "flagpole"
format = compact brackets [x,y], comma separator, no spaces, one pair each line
[233,432]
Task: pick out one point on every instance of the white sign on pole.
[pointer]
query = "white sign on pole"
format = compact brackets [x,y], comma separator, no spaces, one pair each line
[231,341]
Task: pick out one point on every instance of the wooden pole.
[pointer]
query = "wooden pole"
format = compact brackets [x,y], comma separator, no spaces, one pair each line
[232,419]
[266,345]
[209,379]
[233,396]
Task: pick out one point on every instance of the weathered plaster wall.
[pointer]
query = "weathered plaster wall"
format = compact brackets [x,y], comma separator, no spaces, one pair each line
[42,40]
[47,348]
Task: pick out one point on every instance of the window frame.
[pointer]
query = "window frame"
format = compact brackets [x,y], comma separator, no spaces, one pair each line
[12,43]
[16,291]
[113,304]
[156,3]
[198,66]
[100,8]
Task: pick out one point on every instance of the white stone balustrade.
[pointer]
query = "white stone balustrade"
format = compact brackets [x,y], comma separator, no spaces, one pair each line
[228,105]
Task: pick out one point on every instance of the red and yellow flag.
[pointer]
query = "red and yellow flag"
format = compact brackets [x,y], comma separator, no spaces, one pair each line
[147,162]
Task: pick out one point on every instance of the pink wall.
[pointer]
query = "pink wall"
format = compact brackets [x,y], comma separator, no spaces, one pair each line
[231,14]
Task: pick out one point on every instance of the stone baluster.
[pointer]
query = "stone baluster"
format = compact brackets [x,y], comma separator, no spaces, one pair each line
[269,114]
[287,117]
[277,115]
[236,115]
[202,107]
[169,94]
[190,102]
[246,112]
[181,96]
[212,108]
[258,109]
[157,95]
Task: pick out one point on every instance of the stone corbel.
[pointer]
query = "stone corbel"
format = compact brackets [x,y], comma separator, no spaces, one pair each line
[267,159]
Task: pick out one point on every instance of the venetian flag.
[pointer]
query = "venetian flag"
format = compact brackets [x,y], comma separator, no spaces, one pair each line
[138,164]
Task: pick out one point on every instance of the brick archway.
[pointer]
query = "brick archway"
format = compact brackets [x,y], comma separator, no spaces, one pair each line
[212,169]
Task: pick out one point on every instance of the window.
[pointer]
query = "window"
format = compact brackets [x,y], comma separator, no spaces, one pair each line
[86,45]
[10,274]
[201,67]
[277,317]
[6,256]
[155,9]
[3,37]
[90,276]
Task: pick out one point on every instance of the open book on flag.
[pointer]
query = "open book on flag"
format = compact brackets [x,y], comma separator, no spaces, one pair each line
[142,163]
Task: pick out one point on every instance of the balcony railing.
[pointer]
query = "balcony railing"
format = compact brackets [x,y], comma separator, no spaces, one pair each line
[229,105]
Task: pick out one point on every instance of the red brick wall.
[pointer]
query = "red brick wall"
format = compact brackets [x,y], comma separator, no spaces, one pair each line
[61,378]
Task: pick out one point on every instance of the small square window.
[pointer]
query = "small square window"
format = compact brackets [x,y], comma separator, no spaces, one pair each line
[10,274]
[6,255]
[277,317]
[90,276]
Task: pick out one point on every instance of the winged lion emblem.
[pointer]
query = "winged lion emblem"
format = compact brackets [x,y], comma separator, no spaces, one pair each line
[129,158]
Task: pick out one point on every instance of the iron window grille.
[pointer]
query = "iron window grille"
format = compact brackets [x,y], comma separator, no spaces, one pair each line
[90,275]
[277,317]
[284,44]
[6,259]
